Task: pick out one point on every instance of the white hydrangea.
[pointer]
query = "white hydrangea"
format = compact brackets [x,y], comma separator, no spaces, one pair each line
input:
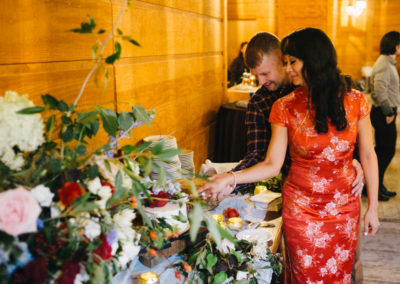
[92,229]
[104,191]
[123,224]
[43,195]
[17,130]
[128,253]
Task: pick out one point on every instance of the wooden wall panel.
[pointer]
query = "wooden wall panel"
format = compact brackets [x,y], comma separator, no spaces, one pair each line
[206,8]
[37,31]
[60,79]
[356,38]
[178,70]
[163,31]
[184,91]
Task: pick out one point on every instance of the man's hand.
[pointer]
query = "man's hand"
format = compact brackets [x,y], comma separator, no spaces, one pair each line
[389,119]
[358,183]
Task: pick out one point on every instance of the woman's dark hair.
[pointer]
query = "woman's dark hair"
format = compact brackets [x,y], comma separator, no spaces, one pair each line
[389,42]
[326,87]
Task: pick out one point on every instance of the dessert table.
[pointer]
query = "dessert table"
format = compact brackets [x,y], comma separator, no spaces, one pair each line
[167,274]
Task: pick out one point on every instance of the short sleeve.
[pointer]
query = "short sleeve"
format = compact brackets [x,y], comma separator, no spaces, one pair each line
[364,107]
[278,113]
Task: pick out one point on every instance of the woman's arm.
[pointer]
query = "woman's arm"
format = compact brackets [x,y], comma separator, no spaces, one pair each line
[223,183]
[369,163]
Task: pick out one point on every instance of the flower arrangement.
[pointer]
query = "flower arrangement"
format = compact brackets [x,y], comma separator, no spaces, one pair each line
[72,213]
[230,262]
[68,212]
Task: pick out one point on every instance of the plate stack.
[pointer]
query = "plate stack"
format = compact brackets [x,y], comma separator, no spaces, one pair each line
[172,165]
[187,163]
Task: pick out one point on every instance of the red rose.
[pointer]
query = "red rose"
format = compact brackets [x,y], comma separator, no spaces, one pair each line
[69,271]
[70,192]
[104,250]
[159,203]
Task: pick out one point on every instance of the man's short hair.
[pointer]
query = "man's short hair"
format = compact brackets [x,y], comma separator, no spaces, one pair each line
[261,44]
[389,42]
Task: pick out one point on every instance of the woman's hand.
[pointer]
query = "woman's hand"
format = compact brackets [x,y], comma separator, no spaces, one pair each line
[371,222]
[221,186]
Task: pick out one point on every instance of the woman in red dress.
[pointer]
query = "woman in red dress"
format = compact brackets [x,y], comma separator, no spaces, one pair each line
[321,121]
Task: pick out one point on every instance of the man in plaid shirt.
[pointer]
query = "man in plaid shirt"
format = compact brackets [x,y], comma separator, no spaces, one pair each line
[263,57]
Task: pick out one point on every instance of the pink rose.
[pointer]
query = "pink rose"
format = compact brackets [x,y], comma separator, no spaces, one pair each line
[19,211]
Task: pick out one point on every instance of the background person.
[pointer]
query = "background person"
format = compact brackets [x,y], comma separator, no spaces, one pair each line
[386,98]
[237,67]
[320,121]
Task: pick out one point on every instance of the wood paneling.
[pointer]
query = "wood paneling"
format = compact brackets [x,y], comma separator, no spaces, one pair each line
[178,70]
[356,38]
[38,31]
[162,31]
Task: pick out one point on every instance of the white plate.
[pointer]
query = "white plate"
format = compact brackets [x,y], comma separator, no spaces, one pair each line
[252,235]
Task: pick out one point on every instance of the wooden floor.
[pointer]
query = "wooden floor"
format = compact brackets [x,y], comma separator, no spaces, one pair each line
[381,253]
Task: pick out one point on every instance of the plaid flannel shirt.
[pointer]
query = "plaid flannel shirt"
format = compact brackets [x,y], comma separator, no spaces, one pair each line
[259,129]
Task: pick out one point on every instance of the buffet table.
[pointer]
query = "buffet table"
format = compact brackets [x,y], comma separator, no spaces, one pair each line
[167,274]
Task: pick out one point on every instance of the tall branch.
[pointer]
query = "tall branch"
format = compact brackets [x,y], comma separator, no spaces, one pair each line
[99,58]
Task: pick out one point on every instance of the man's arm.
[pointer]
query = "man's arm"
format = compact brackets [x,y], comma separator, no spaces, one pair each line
[258,137]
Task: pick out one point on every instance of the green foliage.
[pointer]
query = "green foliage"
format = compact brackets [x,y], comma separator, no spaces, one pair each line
[86,27]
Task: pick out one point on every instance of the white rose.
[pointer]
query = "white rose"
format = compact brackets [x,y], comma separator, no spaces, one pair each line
[129,251]
[123,224]
[92,229]
[43,195]
[94,185]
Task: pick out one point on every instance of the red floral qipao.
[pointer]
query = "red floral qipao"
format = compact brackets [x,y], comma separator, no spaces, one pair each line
[320,215]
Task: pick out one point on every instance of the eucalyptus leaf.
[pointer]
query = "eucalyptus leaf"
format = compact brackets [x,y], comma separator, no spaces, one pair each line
[196,217]
[31,110]
[131,40]
[80,150]
[94,51]
[211,261]
[125,121]
[148,168]
[66,120]
[213,228]
[50,123]
[109,118]
[68,134]
[116,55]
[141,114]
[50,101]
[86,117]
[220,277]
[168,153]
[55,165]
[93,171]
[157,148]
[62,106]
[87,206]
[86,27]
